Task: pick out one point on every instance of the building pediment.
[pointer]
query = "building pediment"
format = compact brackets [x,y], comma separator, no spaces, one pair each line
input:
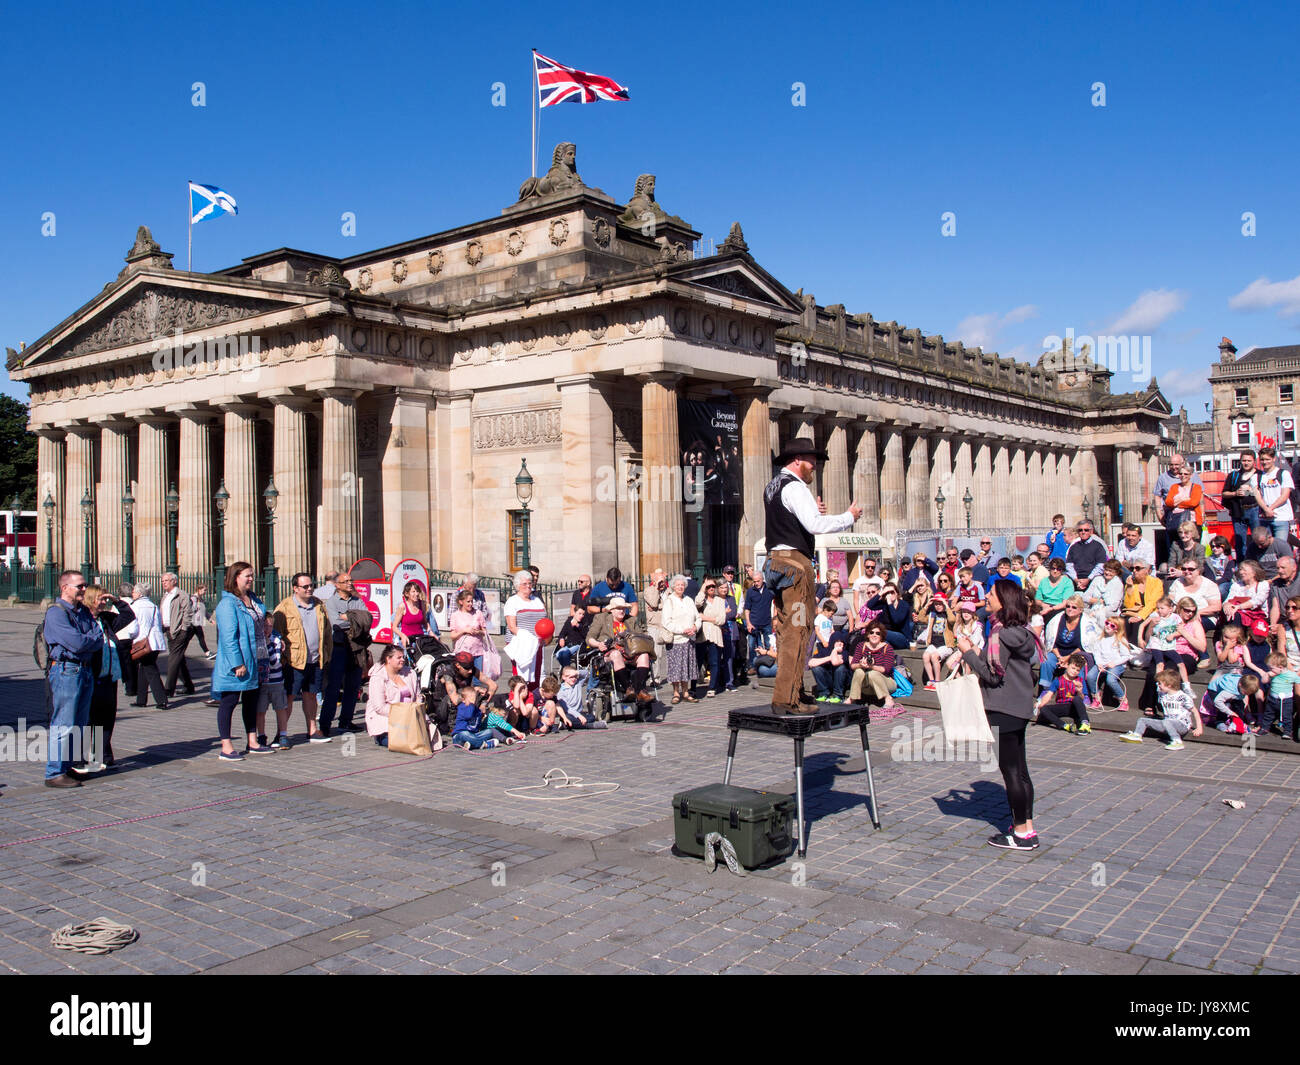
[147,308]
[740,277]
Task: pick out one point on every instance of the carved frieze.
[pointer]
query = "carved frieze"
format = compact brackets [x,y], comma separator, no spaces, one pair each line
[436,260]
[365,278]
[518,429]
[399,271]
[474,252]
[158,313]
[602,231]
[559,232]
[514,242]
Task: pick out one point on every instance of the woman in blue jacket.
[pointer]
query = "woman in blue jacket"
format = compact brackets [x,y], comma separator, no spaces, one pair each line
[235,677]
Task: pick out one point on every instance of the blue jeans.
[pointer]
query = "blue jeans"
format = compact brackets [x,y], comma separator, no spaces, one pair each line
[1113,682]
[1241,530]
[899,641]
[766,671]
[1278,707]
[564,656]
[760,631]
[1280,528]
[343,673]
[831,680]
[475,739]
[71,686]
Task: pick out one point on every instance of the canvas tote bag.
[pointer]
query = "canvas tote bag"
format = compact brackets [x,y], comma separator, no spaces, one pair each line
[408,732]
[962,706]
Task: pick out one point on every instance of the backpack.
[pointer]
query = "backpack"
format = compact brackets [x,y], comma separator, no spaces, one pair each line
[40,649]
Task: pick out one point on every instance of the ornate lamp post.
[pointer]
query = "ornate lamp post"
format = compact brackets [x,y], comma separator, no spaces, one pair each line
[128,553]
[87,517]
[16,506]
[938,506]
[173,512]
[270,578]
[968,499]
[524,493]
[222,500]
[48,507]
[1087,509]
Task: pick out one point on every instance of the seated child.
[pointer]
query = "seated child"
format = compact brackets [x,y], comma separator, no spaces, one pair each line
[1179,707]
[573,685]
[552,715]
[1066,692]
[1229,709]
[470,731]
[518,705]
[1282,680]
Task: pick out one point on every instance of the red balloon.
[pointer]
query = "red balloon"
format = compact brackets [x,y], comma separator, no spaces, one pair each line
[545,630]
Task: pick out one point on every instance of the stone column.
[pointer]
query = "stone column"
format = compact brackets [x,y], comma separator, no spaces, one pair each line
[80,478]
[1001,511]
[194,528]
[1128,472]
[803,422]
[1067,498]
[756,465]
[984,506]
[466,552]
[918,482]
[893,483]
[835,481]
[51,466]
[404,477]
[340,532]
[941,478]
[866,479]
[1151,468]
[963,480]
[1021,503]
[114,468]
[246,511]
[151,497]
[1082,473]
[662,533]
[293,521]
[1037,493]
[587,426]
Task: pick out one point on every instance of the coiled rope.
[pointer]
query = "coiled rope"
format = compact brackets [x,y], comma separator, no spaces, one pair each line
[556,781]
[99,936]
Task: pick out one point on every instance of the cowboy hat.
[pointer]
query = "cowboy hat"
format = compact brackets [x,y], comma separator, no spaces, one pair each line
[617,602]
[801,445]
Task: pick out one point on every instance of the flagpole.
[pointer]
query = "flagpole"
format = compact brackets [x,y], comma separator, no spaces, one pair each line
[189,226]
[533,92]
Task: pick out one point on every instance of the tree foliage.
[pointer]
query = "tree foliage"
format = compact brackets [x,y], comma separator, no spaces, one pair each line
[17,454]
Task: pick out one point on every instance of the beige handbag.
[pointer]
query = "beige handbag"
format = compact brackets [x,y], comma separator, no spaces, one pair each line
[408,732]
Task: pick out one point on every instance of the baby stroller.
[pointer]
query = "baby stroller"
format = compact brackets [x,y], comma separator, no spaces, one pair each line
[427,655]
[602,699]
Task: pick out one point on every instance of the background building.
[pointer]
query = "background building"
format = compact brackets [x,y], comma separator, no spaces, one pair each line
[394,396]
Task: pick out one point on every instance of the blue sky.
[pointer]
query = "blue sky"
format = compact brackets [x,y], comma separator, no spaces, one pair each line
[1125,218]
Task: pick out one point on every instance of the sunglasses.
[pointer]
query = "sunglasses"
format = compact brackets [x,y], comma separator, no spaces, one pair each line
[306,586]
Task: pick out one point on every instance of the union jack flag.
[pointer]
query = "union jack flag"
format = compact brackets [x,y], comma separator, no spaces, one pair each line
[557,84]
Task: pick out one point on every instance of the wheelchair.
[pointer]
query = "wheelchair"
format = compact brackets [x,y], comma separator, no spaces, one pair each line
[602,698]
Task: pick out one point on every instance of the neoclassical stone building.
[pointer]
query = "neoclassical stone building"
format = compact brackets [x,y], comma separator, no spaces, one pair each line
[393,395]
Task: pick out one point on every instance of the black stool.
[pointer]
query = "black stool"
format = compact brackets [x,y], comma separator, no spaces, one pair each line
[799,727]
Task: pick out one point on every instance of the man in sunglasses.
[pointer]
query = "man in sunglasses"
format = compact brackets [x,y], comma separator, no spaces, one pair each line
[73,637]
[303,624]
[1086,555]
[1266,549]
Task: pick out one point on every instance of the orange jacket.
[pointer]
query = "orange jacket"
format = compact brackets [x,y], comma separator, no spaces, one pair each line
[1195,502]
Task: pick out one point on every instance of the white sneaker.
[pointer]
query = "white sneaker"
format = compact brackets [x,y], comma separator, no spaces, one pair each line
[1129,737]
[1174,745]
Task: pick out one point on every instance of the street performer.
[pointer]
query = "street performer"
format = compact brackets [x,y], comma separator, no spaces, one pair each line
[794,517]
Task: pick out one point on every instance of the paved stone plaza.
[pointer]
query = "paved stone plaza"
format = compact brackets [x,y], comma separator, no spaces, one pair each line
[318,860]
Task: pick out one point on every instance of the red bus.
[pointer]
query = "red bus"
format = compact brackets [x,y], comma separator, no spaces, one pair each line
[24,537]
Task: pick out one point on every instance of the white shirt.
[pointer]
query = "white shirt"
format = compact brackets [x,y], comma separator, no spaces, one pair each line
[798,499]
[1144,552]
[166,607]
[1271,486]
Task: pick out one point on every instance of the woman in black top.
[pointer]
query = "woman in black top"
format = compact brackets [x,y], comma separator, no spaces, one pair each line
[1006,673]
[895,615]
[113,616]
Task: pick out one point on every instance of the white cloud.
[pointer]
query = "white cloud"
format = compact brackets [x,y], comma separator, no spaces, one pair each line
[980,330]
[1148,312]
[1181,385]
[1263,294]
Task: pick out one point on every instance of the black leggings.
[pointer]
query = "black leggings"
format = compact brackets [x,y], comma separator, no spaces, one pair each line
[1012,762]
[1048,712]
[226,711]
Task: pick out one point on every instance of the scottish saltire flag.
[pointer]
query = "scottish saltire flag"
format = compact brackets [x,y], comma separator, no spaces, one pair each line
[558,84]
[208,201]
